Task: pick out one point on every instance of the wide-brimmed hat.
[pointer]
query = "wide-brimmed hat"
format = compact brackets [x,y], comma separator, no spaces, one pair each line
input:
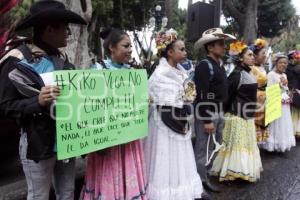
[211,35]
[49,10]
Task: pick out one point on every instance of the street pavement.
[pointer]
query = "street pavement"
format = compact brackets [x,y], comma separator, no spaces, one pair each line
[280,180]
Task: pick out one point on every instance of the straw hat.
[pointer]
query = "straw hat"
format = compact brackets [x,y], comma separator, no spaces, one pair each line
[212,35]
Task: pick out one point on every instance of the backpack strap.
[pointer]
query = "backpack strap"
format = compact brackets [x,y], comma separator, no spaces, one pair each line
[211,69]
[26,52]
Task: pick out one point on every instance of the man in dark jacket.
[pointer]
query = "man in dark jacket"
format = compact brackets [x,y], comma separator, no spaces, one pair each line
[211,86]
[49,20]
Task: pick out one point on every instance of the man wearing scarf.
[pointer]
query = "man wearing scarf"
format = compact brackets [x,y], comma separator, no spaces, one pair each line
[49,20]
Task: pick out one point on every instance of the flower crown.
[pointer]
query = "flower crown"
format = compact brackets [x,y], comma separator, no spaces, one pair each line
[295,55]
[164,38]
[259,44]
[278,56]
[236,48]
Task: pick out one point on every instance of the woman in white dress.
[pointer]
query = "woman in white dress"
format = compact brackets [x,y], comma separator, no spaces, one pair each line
[281,137]
[170,163]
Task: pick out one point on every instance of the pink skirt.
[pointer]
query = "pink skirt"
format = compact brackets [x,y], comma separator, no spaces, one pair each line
[116,173]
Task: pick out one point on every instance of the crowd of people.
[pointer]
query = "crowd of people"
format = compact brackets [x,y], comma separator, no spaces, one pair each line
[223,105]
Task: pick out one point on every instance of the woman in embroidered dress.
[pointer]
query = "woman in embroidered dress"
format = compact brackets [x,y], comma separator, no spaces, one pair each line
[116,173]
[281,130]
[171,167]
[259,49]
[293,75]
[239,157]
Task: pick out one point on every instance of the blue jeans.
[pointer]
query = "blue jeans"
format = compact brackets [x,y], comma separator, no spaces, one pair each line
[201,143]
[40,175]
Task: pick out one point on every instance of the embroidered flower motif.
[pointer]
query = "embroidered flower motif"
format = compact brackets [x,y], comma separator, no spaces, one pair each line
[189,90]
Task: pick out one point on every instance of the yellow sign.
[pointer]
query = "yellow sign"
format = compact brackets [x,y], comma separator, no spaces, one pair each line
[273,105]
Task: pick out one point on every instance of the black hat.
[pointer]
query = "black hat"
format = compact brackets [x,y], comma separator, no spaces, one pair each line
[49,10]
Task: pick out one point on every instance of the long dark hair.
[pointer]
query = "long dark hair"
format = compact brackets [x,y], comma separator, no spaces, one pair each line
[237,60]
[111,36]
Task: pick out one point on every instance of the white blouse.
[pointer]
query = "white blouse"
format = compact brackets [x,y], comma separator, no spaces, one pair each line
[166,85]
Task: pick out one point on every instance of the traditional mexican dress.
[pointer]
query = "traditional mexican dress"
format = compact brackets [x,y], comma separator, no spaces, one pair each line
[261,78]
[281,130]
[170,162]
[239,158]
[295,112]
[293,75]
[116,173]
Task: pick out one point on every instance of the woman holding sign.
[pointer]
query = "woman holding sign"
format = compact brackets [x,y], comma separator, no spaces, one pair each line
[171,166]
[281,130]
[118,172]
[239,158]
[259,49]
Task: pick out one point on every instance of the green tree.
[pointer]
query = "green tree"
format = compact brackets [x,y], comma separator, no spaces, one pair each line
[289,39]
[172,13]
[241,15]
[130,15]
[9,20]
[272,16]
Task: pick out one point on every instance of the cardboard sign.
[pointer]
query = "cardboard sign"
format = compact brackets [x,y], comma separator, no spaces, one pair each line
[98,109]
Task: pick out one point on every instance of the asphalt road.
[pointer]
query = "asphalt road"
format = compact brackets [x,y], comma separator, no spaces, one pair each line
[280,180]
[13,184]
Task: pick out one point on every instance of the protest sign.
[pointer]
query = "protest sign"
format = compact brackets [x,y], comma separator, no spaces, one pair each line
[98,109]
[273,105]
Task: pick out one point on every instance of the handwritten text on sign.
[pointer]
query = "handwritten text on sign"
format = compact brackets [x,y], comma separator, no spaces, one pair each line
[99,109]
[273,106]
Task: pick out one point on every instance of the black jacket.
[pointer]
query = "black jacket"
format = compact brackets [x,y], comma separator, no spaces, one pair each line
[210,90]
[34,119]
[242,93]
[293,76]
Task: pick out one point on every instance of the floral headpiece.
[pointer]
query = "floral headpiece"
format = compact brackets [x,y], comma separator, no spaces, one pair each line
[295,55]
[164,38]
[278,56]
[237,48]
[259,44]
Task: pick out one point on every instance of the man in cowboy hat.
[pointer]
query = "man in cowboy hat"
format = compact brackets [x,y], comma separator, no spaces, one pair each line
[49,20]
[211,86]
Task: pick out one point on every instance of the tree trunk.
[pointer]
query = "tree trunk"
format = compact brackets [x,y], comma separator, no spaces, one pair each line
[247,21]
[250,25]
[77,49]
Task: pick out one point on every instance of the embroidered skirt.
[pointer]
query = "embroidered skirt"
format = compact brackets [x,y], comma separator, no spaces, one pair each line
[240,157]
[296,120]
